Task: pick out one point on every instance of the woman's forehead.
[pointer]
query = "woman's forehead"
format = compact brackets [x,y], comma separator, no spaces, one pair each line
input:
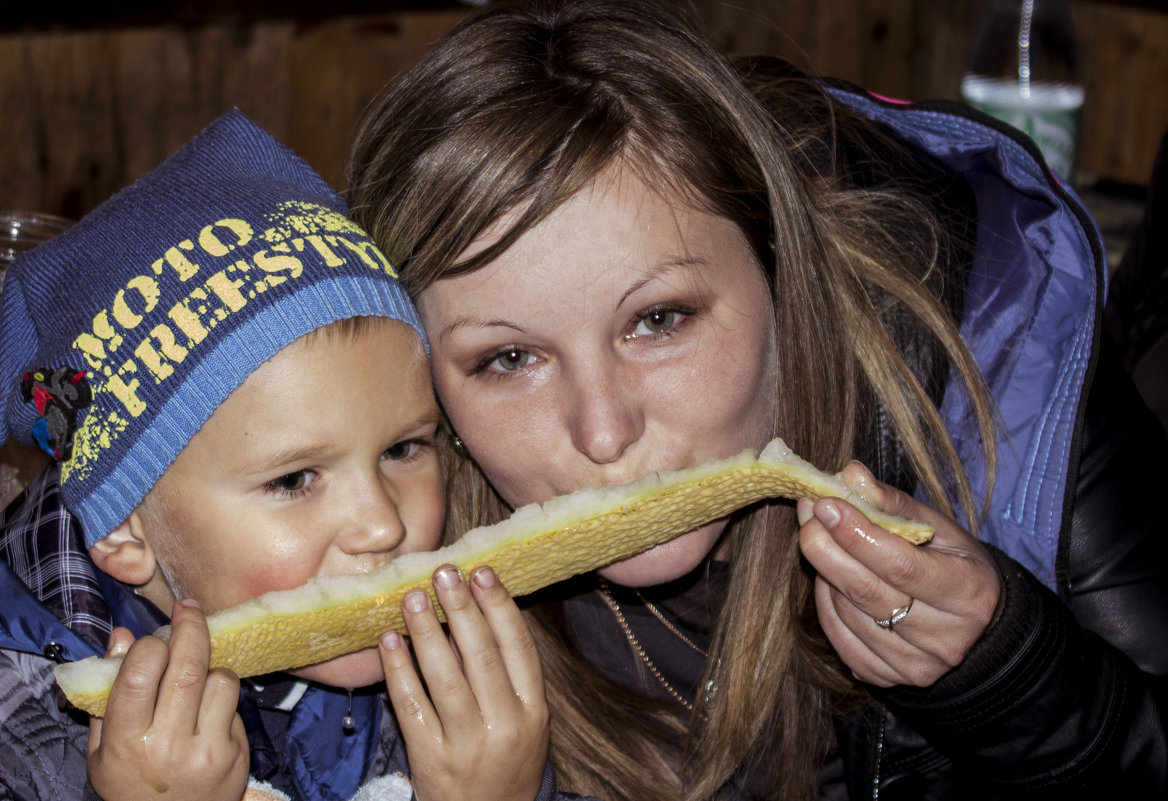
[647,176]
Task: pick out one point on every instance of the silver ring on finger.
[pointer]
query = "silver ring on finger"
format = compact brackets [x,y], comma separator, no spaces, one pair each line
[898,614]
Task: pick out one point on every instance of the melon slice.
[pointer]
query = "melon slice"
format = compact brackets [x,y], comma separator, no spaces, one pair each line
[537,546]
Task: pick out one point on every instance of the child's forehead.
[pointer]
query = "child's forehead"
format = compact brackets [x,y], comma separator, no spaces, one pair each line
[330,395]
[359,326]
[378,345]
[398,345]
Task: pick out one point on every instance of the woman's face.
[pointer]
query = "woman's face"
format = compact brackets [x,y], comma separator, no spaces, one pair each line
[623,334]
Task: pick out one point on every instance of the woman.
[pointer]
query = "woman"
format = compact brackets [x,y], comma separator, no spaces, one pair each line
[628,256]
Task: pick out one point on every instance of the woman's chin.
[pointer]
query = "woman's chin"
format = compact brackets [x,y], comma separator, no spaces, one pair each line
[667,562]
[358,669]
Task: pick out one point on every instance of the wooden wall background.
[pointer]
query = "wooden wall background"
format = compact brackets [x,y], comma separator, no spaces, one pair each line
[84,111]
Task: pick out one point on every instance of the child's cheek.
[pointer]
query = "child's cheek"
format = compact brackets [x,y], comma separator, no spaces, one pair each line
[269,574]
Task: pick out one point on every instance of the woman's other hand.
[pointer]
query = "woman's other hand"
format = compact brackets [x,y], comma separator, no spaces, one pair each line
[866,574]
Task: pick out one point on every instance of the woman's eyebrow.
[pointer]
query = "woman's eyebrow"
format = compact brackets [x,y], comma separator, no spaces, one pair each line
[471,321]
[663,267]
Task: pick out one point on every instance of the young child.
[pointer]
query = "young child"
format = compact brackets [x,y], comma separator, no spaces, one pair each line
[236,394]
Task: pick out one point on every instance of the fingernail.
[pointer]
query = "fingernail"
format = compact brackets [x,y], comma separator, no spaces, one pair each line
[484,577]
[803,511]
[416,602]
[391,641]
[447,577]
[190,603]
[827,513]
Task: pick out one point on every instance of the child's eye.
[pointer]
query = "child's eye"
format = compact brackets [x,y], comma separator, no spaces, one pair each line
[399,450]
[290,484]
[407,449]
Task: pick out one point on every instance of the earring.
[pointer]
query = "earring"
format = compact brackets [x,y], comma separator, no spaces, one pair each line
[459,448]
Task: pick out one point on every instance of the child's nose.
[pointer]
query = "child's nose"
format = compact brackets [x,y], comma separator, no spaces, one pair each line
[375,525]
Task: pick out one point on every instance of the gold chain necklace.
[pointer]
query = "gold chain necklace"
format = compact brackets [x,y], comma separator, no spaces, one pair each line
[665,622]
[614,607]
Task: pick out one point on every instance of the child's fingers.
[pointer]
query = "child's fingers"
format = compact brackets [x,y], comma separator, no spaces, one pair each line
[134,693]
[511,634]
[95,724]
[406,691]
[219,702]
[482,663]
[119,644]
[180,695]
[439,665]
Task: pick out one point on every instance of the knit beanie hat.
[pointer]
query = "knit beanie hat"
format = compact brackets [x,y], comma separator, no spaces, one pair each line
[121,336]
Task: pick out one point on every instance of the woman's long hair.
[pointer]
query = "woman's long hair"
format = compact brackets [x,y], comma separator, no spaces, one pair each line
[523,106]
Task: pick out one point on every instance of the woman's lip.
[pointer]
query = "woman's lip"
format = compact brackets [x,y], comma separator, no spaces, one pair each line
[621,481]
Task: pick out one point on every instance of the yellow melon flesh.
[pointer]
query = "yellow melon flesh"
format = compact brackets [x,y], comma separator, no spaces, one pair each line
[537,546]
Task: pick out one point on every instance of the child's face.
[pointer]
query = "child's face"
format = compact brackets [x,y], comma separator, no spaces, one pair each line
[322,462]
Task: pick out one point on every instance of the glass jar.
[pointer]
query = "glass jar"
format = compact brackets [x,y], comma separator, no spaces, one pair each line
[24,230]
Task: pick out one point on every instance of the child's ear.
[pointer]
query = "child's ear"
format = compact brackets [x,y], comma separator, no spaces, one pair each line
[125,554]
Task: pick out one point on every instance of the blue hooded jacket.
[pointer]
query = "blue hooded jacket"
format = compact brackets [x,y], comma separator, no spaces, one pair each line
[1033,305]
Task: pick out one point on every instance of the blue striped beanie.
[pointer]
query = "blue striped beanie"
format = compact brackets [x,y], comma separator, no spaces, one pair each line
[121,336]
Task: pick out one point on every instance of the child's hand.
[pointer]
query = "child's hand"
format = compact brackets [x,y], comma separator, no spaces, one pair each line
[170,728]
[478,727]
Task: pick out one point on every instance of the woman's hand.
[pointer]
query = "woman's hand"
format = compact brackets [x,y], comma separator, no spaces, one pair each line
[866,574]
[170,728]
[477,728]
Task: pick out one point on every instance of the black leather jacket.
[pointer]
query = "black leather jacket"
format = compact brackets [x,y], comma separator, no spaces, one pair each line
[1042,682]
[1088,717]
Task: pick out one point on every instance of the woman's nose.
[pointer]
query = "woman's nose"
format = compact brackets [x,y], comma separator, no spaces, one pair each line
[605,418]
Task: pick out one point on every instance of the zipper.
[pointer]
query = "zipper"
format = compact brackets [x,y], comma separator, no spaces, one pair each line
[838,88]
[879,754]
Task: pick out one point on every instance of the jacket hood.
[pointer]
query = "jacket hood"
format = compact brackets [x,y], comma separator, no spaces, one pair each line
[1033,306]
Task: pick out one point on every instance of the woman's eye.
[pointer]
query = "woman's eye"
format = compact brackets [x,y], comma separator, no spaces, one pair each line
[510,360]
[657,321]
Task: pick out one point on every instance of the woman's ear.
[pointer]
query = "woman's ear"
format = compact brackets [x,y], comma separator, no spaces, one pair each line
[126,554]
